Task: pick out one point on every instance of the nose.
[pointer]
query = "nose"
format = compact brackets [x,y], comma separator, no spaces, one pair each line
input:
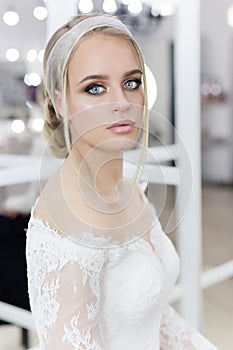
[118,102]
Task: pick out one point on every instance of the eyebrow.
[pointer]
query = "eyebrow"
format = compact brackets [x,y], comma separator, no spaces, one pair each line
[105,77]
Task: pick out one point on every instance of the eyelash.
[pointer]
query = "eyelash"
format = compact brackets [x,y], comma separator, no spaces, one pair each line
[137,81]
[89,87]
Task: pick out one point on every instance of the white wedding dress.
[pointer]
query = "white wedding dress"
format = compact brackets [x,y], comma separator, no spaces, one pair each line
[105,299]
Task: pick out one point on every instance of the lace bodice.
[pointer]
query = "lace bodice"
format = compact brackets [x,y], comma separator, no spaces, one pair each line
[105,299]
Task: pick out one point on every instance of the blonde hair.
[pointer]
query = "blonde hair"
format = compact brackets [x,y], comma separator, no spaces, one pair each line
[55,127]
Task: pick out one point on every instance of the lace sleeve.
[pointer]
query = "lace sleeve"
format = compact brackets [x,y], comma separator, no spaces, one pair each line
[64,290]
[175,334]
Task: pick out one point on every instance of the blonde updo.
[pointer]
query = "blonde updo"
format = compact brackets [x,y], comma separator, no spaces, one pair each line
[54,122]
[54,128]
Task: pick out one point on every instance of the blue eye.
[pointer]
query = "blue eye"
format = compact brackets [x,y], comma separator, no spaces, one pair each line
[132,84]
[95,89]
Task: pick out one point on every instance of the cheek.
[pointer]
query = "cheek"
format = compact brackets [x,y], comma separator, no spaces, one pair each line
[137,110]
[89,120]
[75,104]
[78,101]
[90,112]
[136,97]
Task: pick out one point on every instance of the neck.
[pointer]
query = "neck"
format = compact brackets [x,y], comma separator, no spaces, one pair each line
[100,169]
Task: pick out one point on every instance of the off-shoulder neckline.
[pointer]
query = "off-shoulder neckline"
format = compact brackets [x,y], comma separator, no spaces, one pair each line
[46,225]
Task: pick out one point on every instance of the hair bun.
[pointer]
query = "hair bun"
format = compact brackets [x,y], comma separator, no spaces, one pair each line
[54,130]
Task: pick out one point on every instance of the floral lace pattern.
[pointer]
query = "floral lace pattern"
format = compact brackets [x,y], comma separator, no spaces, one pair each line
[47,306]
[91,311]
[48,255]
[105,299]
[175,334]
[77,338]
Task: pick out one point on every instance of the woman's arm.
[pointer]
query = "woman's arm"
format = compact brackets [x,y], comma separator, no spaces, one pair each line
[175,334]
[64,290]
[75,325]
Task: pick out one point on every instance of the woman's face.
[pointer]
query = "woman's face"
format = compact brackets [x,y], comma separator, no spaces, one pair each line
[105,94]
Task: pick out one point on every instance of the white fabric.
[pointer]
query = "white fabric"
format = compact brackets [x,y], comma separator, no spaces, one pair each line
[65,45]
[105,299]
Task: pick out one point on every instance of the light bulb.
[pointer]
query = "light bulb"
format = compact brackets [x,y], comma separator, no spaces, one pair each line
[205,89]
[85,6]
[17,126]
[167,9]
[12,55]
[215,89]
[109,6]
[32,79]
[37,124]
[135,7]
[11,18]
[31,55]
[125,2]
[40,55]
[155,11]
[40,12]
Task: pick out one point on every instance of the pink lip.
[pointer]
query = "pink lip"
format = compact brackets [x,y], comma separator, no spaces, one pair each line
[122,127]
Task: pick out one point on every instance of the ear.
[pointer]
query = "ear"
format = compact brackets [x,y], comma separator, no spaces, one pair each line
[58,101]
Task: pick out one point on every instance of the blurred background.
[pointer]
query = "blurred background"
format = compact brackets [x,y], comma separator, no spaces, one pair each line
[24,29]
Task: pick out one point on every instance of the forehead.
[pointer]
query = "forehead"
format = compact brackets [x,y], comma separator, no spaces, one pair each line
[98,50]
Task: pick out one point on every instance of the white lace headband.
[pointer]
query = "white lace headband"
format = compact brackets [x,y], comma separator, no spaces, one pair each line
[65,45]
[56,66]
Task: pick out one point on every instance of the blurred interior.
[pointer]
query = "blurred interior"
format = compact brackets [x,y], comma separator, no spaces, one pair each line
[21,122]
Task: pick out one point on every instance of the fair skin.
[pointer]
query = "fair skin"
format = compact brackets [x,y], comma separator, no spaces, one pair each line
[115,93]
[100,93]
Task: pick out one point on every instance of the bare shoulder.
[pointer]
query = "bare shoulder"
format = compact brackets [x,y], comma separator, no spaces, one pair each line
[43,216]
[53,207]
[39,210]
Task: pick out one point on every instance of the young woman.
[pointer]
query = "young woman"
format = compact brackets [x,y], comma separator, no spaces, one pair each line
[100,268]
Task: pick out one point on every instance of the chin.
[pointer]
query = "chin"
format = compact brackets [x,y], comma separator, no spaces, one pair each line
[118,145]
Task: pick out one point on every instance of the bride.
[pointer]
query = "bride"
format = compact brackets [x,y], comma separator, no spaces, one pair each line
[100,268]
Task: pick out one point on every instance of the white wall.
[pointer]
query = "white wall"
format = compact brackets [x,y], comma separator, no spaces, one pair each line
[156,47]
[216,62]
[217,118]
